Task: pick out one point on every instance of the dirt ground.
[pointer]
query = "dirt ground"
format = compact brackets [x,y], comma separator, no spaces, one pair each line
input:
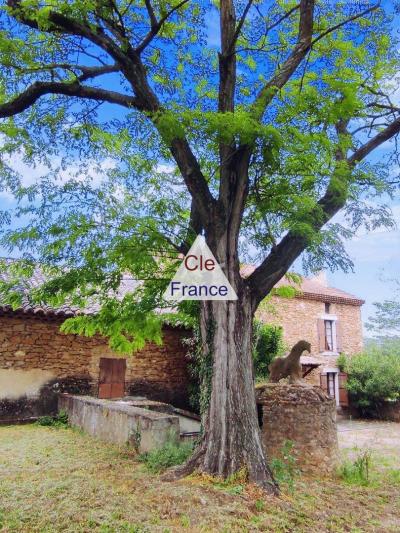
[56,479]
[380,437]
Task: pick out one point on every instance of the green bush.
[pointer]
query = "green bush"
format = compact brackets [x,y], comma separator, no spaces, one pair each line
[60,420]
[357,472]
[341,362]
[285,468]
[373,378]
[267,345]
[171,454]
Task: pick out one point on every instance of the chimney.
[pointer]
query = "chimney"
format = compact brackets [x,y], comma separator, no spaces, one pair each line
[321,278]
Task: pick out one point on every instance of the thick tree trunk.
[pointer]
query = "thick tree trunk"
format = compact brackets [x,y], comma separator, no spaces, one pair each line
[231,439]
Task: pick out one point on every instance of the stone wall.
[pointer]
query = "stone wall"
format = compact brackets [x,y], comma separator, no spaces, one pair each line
[307,417]
[299,320]
[37,360]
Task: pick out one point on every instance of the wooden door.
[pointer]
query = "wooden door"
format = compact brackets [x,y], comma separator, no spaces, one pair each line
[112,378]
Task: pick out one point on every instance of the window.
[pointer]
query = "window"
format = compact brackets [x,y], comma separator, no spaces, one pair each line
[328,335]
[327,308]
[331,378]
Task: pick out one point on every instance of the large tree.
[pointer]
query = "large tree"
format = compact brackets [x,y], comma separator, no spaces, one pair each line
[147,123]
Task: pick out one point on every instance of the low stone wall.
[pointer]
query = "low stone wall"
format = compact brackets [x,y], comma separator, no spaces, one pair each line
[37,361]
[304,415]
[120,423]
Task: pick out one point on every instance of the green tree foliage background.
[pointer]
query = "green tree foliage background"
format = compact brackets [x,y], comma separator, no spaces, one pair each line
[374,377]
[268,344]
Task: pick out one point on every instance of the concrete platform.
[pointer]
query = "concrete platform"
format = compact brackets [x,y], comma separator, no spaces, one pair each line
[120,422]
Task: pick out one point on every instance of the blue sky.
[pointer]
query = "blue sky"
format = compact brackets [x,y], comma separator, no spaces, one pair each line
[375,255]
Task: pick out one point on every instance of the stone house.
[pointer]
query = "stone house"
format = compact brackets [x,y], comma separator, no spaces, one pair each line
[328,318]
[37,361]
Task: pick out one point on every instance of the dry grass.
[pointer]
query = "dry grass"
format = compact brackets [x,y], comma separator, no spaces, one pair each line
[62,480]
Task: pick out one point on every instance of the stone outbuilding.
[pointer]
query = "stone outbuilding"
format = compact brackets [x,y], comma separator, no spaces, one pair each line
[37,360]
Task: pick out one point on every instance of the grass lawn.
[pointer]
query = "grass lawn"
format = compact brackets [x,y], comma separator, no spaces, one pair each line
[56,479]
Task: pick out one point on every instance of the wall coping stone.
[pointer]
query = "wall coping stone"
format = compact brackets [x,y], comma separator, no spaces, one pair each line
[120,407]
[284,393]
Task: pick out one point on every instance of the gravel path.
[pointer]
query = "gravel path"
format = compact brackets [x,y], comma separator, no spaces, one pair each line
[382,438]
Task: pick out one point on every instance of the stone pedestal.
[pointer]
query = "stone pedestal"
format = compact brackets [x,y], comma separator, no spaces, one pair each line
[304,415]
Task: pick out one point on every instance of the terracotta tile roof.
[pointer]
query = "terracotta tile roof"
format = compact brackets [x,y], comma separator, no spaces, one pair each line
[32,309]
[313,289]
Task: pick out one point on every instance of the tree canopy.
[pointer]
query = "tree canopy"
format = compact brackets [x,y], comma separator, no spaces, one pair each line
[122,123]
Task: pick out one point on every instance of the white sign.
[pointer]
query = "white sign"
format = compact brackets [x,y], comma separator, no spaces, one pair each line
[199,277]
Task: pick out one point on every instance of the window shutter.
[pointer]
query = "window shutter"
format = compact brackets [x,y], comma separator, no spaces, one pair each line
[343,393]
[324,382]
[321,334]
[339,336]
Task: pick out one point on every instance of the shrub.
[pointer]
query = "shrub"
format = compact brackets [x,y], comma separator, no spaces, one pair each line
[373,378]
[285,468]
[341,362]
[267,345]
[60,420]
[172,453]
[357,472]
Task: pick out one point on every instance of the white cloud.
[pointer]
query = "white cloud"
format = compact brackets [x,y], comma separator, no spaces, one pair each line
[31,174]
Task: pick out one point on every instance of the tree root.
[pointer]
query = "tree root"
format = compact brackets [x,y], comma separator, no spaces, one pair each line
[195,464]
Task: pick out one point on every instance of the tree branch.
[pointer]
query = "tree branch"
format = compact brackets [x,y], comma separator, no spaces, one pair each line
[383,136]
[88,72]
[156,25]
[304,44]
[28,97]
[284,73]
[240,26]
[134,71]
[292,245]
[60,22]
[340,24]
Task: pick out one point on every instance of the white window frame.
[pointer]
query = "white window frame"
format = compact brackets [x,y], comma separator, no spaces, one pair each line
[333,319]
[333,370]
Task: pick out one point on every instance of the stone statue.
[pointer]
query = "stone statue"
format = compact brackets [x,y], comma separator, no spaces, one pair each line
[283,367]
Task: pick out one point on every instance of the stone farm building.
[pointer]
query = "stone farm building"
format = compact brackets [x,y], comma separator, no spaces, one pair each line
[330,319]
[37,360]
